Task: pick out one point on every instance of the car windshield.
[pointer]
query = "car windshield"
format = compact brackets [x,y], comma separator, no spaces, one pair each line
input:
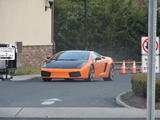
[72,55]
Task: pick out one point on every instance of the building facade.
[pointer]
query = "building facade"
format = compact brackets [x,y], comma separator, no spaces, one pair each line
[27,24]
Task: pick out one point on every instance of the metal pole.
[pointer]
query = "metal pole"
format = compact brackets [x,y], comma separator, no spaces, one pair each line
[6,69]
[152,31]
[85,24]
[52,28]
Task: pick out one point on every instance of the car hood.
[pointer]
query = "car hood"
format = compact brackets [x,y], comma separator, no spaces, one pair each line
[65,64]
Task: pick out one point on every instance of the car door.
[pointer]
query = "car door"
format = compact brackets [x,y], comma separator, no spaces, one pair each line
[98,65]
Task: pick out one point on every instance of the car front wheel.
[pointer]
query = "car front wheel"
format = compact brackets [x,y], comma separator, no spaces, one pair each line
[47,79]
[91,74]
[111,74]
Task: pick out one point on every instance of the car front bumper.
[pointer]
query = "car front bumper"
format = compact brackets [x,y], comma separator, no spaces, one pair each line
[65,73]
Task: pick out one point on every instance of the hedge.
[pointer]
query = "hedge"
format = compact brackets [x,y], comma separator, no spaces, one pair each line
[139,85]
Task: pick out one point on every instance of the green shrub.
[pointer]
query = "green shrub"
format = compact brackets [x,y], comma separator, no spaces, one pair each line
[27,71]
[139,85]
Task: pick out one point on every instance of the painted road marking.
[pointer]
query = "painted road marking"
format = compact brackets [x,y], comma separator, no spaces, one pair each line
[50,101]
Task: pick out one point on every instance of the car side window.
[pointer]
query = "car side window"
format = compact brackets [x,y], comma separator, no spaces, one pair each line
[98,55]
[94,56]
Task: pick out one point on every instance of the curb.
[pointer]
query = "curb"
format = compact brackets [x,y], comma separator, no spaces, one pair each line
[120,102]
[25,77]
[17,78]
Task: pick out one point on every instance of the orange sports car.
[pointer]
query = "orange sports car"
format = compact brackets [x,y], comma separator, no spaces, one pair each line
[78,64]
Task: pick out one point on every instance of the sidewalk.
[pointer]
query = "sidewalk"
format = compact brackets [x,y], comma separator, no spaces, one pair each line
[25,77]
[72,112]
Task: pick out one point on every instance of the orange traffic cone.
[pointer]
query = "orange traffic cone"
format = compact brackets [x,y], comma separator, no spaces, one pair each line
[123,69]
[134,68]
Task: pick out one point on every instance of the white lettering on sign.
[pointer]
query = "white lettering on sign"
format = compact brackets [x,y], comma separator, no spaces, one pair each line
[7,53]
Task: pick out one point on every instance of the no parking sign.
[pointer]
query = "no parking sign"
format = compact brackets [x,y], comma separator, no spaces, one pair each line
[144,51]
[144,45]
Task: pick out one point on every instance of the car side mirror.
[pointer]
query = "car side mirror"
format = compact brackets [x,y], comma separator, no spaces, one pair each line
[98,58]
[48,57]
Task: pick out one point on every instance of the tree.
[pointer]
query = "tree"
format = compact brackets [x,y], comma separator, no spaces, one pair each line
[114,27]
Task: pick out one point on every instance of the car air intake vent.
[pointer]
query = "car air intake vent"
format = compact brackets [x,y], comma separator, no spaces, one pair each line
[75,74]
[44,73]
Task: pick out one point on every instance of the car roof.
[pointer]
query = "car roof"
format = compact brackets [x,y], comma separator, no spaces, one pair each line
[78,51]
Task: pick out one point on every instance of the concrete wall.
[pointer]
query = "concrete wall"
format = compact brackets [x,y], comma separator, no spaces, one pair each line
[26,21]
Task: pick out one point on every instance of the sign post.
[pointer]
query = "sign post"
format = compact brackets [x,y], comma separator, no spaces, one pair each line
[152,31]
[6,61]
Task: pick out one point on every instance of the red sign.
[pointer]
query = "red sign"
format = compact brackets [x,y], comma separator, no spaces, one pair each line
[145,45]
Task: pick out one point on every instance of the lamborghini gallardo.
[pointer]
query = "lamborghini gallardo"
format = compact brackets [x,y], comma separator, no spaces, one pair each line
[78,64]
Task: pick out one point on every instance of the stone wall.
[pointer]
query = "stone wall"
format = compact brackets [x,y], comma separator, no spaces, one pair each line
[33,56]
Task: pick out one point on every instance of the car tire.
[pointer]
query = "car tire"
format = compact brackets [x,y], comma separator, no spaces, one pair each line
[91,74]
[47,79]
[68,79]
[111,74]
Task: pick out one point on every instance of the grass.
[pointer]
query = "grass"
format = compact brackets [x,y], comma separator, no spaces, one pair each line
[27,71]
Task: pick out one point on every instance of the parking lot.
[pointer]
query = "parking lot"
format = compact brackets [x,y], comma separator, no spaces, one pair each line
[61,93]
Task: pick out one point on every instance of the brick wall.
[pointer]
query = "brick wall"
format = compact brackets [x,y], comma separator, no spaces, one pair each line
[33,56]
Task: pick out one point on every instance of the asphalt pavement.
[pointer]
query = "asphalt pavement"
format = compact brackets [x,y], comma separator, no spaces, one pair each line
[77,99]
[61,93]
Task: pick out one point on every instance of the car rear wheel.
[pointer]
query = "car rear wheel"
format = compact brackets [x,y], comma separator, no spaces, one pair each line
[47,79]
[111,74]
[91,74]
